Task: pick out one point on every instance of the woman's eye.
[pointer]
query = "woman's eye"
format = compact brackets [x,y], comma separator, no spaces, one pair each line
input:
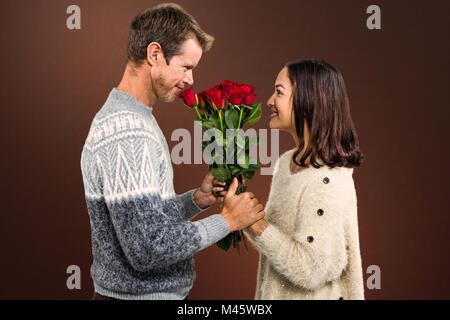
[278,92]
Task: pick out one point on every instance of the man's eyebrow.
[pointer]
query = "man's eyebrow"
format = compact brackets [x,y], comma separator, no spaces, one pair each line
[280,85]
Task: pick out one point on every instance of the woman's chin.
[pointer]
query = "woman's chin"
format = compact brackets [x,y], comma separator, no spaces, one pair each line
[273,123]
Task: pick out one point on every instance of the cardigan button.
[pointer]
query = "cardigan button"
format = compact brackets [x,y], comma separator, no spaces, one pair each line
[320,212]
[310,239]
[326,180]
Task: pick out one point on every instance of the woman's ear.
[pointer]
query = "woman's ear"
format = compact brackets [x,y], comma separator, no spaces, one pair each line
[154,53]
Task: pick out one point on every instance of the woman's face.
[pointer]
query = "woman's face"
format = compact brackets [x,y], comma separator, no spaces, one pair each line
[280,103]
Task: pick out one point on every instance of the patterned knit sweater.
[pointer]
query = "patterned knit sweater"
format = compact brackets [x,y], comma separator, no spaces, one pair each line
[310,248]
[142,240]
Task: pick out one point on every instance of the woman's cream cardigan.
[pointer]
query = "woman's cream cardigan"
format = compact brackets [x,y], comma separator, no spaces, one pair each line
[310,249]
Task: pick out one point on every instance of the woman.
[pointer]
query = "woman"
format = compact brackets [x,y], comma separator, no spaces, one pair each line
[308,241]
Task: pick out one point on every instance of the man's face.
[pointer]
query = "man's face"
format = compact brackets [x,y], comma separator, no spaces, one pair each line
[173,77]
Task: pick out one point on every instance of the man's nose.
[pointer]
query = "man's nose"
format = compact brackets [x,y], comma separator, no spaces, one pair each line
[189,79]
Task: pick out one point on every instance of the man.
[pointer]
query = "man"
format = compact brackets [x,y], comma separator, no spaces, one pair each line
[142,240]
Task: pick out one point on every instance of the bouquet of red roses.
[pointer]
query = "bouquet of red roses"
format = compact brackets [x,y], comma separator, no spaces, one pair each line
[223,110]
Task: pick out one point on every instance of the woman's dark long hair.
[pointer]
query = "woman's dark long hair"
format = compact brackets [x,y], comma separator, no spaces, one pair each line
[319,95]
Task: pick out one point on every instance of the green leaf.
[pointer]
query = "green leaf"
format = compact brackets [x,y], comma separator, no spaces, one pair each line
[254,166]
[246,113]
[240,140]
[225,243]
[232,118]
[254,115]
[249,174]
[243,160]
[216,133]
[230,155]
[235,171]
[207,124]
[220,173]
[241,189]
[214,118]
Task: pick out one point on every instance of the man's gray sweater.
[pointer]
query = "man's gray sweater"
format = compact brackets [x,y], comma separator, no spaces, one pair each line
[142,240]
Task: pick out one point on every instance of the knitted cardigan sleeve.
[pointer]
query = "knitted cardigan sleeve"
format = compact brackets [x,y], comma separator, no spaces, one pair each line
[316,252]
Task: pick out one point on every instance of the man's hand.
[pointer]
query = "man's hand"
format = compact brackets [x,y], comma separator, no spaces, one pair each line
[210,191]
[241,211]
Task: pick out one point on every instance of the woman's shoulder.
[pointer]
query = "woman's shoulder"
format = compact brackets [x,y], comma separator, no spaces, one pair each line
[282,159]
[337,181]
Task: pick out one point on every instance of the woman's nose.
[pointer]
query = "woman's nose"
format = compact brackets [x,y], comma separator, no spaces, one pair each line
[270,102]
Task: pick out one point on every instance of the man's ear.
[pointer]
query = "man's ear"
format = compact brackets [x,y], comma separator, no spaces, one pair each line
[155,54]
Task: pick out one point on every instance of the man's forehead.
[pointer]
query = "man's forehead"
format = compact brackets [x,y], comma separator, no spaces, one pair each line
[191,50]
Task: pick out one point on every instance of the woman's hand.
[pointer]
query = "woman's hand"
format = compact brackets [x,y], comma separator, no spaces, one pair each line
[258,227]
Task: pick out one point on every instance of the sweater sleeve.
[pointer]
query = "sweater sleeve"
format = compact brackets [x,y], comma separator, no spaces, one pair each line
[148,226]
[188,205]
[316,252]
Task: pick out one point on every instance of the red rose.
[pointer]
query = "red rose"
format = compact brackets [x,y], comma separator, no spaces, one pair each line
[248,100]
[189,97]
[247,88]
[217,97]
[236,95]
[204,93]
[227,84]
[201,102]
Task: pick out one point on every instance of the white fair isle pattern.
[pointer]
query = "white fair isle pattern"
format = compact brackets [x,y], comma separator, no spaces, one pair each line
[128,157]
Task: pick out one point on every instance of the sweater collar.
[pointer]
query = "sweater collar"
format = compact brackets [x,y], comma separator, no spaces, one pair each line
[130,101]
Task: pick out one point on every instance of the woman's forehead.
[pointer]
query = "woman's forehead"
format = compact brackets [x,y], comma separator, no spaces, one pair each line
[283,78]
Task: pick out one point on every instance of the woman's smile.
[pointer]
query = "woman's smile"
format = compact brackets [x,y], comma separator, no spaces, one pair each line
[273,113]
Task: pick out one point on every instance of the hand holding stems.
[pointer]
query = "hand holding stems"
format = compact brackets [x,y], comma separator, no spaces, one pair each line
[207,193]
[256,228]
[241,211]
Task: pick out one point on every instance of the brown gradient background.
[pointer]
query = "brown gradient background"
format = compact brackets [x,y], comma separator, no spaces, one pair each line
[54,80]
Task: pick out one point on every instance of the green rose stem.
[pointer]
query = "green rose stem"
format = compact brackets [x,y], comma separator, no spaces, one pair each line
[199,116]
[221,128]
[221,122]
[196,108]
[205,113]
[240,118]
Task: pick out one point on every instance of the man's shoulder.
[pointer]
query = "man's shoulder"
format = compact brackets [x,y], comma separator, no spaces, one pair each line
[115,125]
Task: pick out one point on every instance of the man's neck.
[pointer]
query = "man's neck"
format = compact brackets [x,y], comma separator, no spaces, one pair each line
[137,83]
